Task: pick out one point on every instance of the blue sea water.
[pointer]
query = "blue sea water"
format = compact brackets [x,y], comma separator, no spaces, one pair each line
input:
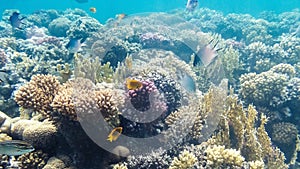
[109,8]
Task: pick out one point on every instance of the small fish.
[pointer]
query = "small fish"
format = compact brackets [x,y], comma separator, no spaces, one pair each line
[114,134]
[15,21]
[15,147]
[187,83]
[82,1]
[75,44]
[93,9]
[133,84]
[121,16]
[191,5]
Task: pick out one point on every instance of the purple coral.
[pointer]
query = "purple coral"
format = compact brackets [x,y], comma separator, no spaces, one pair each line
[143,110]
[140,98]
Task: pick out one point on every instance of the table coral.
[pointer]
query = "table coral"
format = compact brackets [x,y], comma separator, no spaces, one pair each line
[42,135]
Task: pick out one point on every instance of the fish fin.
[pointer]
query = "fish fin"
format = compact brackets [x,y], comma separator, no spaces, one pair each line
[83,40]
[110,138]
[196,60]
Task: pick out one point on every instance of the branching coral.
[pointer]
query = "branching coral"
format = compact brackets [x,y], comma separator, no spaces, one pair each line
[80,96]
[255,144]
[284,135]
[218,155]
[185,160]
[263,89]
[36,159]
[92,69]
[38,94]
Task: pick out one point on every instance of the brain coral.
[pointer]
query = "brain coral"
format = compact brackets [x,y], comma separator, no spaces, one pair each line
[58,27]
[83,27]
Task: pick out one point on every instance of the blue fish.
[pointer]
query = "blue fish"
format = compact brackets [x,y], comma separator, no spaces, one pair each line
[191,5]
[15,21]
[15,147]
[188,83]
[75,44]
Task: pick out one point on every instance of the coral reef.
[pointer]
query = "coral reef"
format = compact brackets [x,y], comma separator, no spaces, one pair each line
[267,88]
[218,155]
[177,100]
[38,94]
[42,135]
[36,159]
[59,27]
[284,135]
[184,161]
[83,27]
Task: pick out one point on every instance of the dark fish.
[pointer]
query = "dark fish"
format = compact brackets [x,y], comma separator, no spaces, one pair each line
[15,147]
[191,5]
[82,1]
[74,44]
[15,21]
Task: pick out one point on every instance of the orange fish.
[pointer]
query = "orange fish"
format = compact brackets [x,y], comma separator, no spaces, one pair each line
[133,84]
[121,16]
[114,134]
[93,9]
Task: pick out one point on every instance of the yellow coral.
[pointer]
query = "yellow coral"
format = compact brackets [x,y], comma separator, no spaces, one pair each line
[256,165]
[119,166]
[186,160]
[218,155]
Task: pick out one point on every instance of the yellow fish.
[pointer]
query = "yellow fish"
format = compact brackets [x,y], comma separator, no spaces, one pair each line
[114,134]
[93,9]
[133,84]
